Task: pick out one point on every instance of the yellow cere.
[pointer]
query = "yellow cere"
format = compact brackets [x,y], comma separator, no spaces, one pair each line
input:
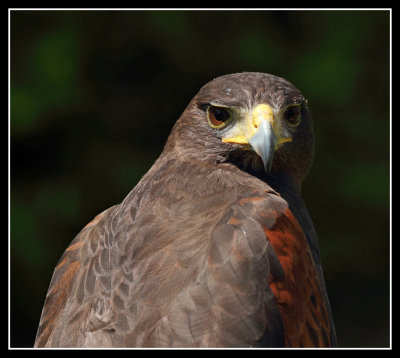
[261,113]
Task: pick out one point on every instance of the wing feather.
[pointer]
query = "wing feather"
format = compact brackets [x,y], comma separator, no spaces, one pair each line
[290,270]
[74,279]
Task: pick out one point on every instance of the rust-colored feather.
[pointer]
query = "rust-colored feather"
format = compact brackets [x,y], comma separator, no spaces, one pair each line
[298,293]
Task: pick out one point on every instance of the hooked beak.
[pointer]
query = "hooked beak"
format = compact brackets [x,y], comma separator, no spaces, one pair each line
[261,132]
[264,143]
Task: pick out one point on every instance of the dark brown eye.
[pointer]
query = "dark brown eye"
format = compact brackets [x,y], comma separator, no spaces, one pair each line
[217,116]
[292,115]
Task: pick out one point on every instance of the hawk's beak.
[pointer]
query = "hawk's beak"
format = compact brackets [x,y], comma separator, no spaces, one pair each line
[264,142]
[261,131]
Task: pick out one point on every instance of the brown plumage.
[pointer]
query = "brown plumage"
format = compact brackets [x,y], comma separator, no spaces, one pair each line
[214,247]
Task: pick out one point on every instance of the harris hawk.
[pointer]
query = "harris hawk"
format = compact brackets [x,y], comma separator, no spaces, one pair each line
[214,247]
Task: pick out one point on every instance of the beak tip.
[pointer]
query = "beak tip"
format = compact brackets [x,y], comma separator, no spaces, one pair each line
[268,166]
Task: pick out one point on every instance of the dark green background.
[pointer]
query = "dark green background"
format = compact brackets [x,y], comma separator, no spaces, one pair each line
[94,95]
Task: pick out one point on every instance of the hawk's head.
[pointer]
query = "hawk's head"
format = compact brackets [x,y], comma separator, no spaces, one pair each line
[256,121]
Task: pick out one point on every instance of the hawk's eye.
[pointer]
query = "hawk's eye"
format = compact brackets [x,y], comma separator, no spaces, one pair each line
[292,115]
[217,116]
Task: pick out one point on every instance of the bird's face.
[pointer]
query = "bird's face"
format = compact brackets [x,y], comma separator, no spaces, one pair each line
[258,121]
[262,128]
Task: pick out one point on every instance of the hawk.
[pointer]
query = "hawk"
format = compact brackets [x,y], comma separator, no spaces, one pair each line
[214,247]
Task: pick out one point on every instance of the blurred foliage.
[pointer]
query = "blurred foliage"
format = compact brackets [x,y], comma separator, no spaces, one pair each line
[94,95]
